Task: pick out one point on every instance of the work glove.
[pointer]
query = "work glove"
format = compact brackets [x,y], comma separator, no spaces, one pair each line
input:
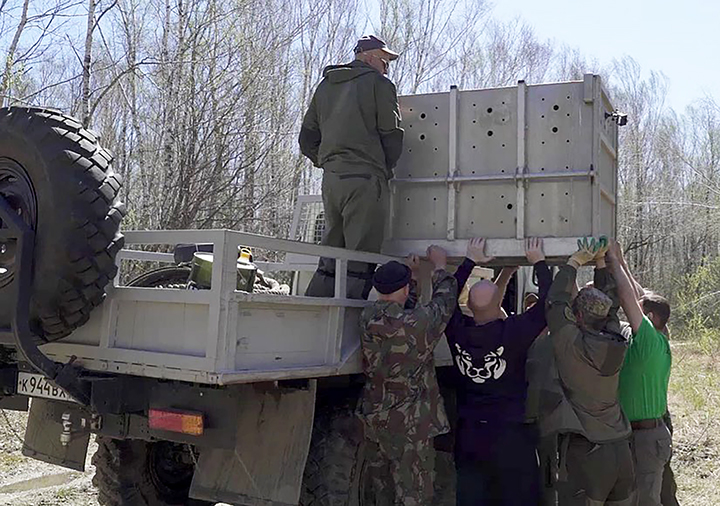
[588,247]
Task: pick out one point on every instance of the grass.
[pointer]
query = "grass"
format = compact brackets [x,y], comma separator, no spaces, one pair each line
[695,405]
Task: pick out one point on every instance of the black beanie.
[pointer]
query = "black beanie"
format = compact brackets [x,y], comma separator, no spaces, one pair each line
[391,277]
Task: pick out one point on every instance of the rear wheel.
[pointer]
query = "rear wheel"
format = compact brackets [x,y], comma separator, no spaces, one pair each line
[141,473]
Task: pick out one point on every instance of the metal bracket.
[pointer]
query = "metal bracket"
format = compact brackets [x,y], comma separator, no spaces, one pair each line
[64,376]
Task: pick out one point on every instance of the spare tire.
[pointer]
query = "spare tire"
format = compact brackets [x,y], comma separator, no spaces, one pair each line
[55,175]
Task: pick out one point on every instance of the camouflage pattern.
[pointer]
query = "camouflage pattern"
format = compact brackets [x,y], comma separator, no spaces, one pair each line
[401,472]
[592,301]
[401,395]
[583,397]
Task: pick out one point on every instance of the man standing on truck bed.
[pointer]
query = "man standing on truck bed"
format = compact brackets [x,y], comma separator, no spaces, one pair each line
[401,407]
[352,131]
[596,464]
[494,447]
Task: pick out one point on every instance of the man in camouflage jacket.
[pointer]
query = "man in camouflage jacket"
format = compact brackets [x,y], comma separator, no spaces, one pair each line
[401,406]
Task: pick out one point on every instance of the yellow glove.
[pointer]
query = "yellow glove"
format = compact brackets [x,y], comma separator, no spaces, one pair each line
[587,249]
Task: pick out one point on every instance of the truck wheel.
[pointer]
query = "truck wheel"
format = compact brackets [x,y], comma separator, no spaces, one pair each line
[139,473]
[56,176]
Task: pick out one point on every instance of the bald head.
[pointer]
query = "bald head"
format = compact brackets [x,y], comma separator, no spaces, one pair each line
[484,301]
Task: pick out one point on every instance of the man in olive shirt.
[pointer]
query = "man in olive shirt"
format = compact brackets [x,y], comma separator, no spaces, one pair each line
[352,131]
[582,406]
[644,382]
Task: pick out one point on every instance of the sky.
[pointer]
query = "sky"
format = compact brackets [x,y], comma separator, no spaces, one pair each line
[681,39]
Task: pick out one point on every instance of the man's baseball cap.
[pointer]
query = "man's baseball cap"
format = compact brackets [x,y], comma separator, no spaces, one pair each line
[370,42]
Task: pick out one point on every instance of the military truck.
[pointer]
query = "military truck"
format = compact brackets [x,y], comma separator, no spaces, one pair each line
[198,396]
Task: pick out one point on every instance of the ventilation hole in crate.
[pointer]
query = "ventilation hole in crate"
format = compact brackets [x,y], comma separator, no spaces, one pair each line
[473,173]
[567,167]
[423,116]
[435,149]
[503,145]
[433,223]
[567,140]
[543,99]
[542,194]
[503,102]
[489,110]
[509,206]
[568,115]
[543,142]
[474,121]
[502,196]
[556,107]
[436,173]
[542,168]
[567,193]
[503,120]
[472,197]
[542,221]
[568,97]
[490,133]
[472,223]
[410,125]
[555,130]
[566,220]
[435,124]
[409,175]
[503,171]
[436,108]
[408,199]
[411,109]
[422,137]
[409,150]
[474,105]
[434,198]
[501,222]
[473,147]
[542,116]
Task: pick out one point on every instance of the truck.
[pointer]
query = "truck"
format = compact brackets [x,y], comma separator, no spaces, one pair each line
[205,394]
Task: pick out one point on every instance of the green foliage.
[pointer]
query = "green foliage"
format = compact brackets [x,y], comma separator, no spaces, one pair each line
[697,313]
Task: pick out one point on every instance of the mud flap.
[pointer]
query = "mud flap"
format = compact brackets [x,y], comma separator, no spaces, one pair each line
[45,428]
[273,438]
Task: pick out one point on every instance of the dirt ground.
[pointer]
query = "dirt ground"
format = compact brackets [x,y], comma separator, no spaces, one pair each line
[694,403]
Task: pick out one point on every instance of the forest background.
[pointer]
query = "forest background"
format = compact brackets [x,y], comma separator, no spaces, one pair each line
[201,101]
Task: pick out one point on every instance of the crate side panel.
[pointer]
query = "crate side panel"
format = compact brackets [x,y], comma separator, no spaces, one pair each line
[559,128]
[420,211]
[487,132]
[558,208]
[165,327]
[486,210]
[280,336]
[425,119]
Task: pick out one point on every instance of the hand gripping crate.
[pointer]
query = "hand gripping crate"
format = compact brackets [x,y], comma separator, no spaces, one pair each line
[506,164]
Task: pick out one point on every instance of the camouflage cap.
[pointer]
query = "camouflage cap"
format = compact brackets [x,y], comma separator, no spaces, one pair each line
[593,302]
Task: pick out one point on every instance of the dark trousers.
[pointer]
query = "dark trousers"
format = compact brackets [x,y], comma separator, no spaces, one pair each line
[668,494]
[504,473]
[356,209]
[597,474]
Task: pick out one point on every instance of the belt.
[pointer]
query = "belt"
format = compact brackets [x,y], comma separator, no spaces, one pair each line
[646,424]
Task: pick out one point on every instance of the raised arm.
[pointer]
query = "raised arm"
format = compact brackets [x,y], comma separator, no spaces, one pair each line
[626,292]
[534,320]
[427,321]
[639,290]
[558,313]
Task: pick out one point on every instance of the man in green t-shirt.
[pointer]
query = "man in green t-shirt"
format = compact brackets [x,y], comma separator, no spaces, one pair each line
[644,381]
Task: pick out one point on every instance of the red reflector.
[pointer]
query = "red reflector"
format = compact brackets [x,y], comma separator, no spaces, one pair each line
[185,422]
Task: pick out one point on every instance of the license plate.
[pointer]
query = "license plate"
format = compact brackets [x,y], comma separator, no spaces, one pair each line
[37,385]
